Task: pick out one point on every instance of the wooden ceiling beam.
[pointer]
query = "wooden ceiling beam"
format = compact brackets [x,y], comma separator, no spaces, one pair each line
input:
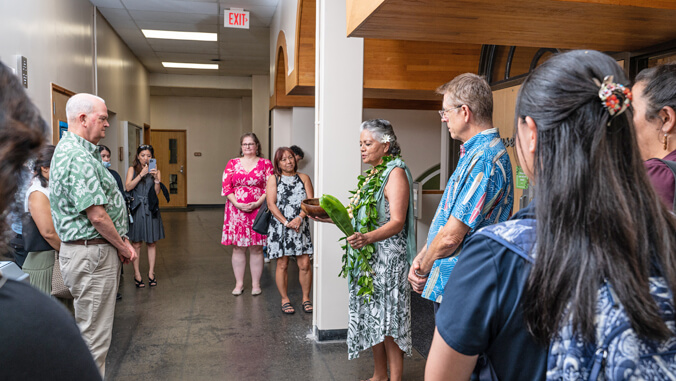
[563,24]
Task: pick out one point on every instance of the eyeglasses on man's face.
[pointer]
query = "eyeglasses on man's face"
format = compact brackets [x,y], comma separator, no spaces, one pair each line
[248,144]
[444,111]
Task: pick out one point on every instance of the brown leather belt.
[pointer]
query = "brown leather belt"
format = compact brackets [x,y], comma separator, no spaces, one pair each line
[95,241]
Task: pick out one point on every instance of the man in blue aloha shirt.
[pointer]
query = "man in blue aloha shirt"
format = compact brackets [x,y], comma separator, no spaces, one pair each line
[478,194]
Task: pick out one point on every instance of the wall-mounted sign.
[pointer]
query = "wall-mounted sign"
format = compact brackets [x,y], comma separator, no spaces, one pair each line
[63,127]
[236,18]
[22,69]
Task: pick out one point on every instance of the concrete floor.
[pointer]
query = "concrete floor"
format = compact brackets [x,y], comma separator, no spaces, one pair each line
[190,327]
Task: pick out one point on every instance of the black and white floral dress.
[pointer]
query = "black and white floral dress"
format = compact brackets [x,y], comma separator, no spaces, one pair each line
[283,241]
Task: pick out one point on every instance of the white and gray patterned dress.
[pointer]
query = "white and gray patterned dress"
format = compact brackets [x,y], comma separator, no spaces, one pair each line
[283,241]
[389,311]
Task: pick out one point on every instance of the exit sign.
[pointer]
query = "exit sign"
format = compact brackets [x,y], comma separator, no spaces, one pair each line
[236,18]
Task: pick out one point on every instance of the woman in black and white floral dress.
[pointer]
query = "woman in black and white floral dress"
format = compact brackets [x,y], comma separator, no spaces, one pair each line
[289,230]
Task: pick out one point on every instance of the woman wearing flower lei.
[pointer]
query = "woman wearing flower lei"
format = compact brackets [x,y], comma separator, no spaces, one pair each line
[379,253]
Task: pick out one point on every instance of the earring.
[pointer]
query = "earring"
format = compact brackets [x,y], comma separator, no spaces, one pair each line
[664,142]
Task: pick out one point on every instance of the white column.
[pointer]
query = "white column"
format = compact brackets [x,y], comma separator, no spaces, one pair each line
[445,171]
[338,114]
[282,125]
[260,104]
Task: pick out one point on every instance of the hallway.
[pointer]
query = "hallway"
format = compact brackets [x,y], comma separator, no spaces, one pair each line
[190,327]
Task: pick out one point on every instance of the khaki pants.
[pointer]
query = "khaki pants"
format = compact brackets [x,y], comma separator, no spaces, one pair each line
[92,275]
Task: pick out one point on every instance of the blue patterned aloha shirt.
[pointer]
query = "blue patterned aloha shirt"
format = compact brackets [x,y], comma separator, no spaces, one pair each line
[479,193]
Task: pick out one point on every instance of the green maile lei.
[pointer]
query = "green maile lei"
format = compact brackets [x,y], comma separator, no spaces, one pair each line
[364,197]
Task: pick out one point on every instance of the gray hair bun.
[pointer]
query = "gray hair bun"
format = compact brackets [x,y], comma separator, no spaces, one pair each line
[383,132]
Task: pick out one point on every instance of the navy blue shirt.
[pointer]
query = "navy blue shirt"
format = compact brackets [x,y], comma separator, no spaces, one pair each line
[483,312]
[39,338]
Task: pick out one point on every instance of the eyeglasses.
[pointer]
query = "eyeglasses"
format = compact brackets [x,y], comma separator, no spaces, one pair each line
[248,144]
[444,111]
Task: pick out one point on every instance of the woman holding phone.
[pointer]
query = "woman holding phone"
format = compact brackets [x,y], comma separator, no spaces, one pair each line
[146,224]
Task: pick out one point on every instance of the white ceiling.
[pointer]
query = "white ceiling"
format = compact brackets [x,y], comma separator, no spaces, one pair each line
[241,52]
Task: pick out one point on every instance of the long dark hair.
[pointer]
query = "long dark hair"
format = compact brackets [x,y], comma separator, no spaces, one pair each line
[22,132]
[598,217]
[143,147]
[44,160]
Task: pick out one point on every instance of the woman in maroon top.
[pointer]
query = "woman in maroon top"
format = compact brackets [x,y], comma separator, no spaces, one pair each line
[654,117]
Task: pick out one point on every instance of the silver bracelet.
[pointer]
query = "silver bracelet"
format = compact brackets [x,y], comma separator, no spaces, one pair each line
[415,271]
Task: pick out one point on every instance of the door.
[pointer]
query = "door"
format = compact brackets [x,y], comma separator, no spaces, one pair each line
[170,152]
[59,121]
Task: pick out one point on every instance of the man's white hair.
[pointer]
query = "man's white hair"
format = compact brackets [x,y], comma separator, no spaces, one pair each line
[80,103]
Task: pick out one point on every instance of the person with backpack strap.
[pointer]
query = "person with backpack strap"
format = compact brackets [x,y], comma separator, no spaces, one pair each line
[598,290]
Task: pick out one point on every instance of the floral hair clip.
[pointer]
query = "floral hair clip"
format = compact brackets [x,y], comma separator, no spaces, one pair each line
[386,139]
[615,97]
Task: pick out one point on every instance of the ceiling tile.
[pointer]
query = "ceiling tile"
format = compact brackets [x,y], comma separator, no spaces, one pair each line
[241,51]
[186,18]
[176,46]
[178,26]
[107,3]
[175,6]
[186,57]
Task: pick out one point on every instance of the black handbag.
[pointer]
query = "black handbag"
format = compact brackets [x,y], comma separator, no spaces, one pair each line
[262,220]
[32,239]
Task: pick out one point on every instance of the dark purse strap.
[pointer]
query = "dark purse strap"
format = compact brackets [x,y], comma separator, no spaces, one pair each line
[672,166]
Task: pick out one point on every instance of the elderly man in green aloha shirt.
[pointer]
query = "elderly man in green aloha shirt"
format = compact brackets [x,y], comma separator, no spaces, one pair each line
[91,219]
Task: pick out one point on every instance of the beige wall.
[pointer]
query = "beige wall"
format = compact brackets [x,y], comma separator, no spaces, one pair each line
[260,103]
[213,127]
[56,38]
[122,80]
[417,133]
[123,83]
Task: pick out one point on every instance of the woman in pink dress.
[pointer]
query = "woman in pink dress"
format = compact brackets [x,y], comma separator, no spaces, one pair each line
[244,182]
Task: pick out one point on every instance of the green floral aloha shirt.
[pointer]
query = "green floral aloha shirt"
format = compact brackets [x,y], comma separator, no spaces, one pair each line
[78,180]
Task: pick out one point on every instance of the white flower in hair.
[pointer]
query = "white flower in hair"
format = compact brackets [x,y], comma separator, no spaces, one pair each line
[386,139]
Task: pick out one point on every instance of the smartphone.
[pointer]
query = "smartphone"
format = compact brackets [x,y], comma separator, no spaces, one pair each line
[152,164]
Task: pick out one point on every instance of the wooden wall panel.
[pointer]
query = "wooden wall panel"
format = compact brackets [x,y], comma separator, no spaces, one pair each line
[305,43]
[416,65]
[280,98]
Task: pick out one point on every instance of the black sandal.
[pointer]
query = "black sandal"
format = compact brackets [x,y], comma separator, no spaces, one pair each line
[288,309]
[139,283]
[152,282]
[307,307]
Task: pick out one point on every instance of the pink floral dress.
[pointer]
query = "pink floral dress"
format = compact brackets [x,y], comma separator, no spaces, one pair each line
[247,187]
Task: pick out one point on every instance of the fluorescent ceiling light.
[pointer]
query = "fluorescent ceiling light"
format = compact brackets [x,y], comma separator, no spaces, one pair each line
[173,35]
[182,65]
